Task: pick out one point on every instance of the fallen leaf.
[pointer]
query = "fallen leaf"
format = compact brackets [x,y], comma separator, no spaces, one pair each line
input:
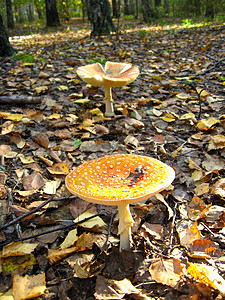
[207,275]
[60,168]
[27,287]
[166,271]
[33,181]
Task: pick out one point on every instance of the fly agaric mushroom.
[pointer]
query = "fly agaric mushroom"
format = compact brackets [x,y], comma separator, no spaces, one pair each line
[111,75]
[120,179]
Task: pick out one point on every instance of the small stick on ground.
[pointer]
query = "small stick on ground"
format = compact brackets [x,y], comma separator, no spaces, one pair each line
[17,226]
[19,100]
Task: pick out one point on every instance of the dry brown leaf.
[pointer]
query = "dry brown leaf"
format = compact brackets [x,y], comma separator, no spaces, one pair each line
[203,248]
[189,235]
[42,140]
[219,188]
[33,181]
[166,271]
[113,289]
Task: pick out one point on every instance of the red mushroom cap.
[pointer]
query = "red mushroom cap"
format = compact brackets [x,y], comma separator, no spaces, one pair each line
[119,179]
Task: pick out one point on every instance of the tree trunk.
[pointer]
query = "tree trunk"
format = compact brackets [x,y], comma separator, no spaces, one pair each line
[5,48]
[209,12]
[136,9]
[115,9]
[99,14]
[148,12]
[157,3]
[166,6]
[126,8]
[10,20]
[52,16]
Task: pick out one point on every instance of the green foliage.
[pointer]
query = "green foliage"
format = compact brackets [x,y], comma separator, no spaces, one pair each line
[77,143]
[28,58]
[98,60]
[222,78]
[187,23]
[128,17]
[142,33]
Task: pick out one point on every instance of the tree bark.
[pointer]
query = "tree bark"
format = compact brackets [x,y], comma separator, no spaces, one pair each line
[5,48]
[52,16]
[99,14]
[166,6]
[209,12]
[148,12]
[10,20]
[126,7]
[157,3]
[115,9]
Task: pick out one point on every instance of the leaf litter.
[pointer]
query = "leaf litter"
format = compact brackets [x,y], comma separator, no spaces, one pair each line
[174,111]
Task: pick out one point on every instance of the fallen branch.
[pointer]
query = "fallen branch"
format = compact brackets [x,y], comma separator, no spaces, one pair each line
[52,230]
[23,216]
[19,100]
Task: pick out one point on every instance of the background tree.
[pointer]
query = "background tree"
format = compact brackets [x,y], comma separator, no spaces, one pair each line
[148,12]
[5,48]
[99,14]
[10,20]
[52,16]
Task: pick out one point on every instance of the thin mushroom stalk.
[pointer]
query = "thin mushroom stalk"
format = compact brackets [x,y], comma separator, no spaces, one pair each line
[111,75]
[125,224]
[109,110]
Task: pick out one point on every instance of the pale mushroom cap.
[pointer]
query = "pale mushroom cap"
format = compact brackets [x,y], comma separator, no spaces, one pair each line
[113,74]
[119,179]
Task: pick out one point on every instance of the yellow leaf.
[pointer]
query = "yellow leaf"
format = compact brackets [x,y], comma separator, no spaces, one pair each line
[54,116]
[205,124]
[182,96]
[26,160]
[41,89]
[96,222]
[27,287]
[202,189]
[70,239]
[18,249]
[63,88]
[59,168]
[50,187]
[168,118]
[25,193]
[96,111]
[7,127]
[81,101]
[187,116]
[207,275]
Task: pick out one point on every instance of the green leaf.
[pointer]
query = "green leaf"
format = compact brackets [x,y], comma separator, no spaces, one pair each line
[98,60]
[77,143]
[24,57]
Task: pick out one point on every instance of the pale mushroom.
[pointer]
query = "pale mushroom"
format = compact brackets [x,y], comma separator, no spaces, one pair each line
[120,179]
[111,75]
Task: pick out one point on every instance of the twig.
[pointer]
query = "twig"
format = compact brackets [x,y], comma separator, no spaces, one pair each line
[53,230]
[19,100]
[33,211]
[109,231]
[17,226]
[173,224]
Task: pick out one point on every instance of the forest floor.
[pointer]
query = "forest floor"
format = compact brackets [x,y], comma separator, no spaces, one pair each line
[173,111]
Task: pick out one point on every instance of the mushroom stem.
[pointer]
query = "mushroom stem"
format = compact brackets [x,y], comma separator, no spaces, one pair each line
[109,110]
[125,223]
